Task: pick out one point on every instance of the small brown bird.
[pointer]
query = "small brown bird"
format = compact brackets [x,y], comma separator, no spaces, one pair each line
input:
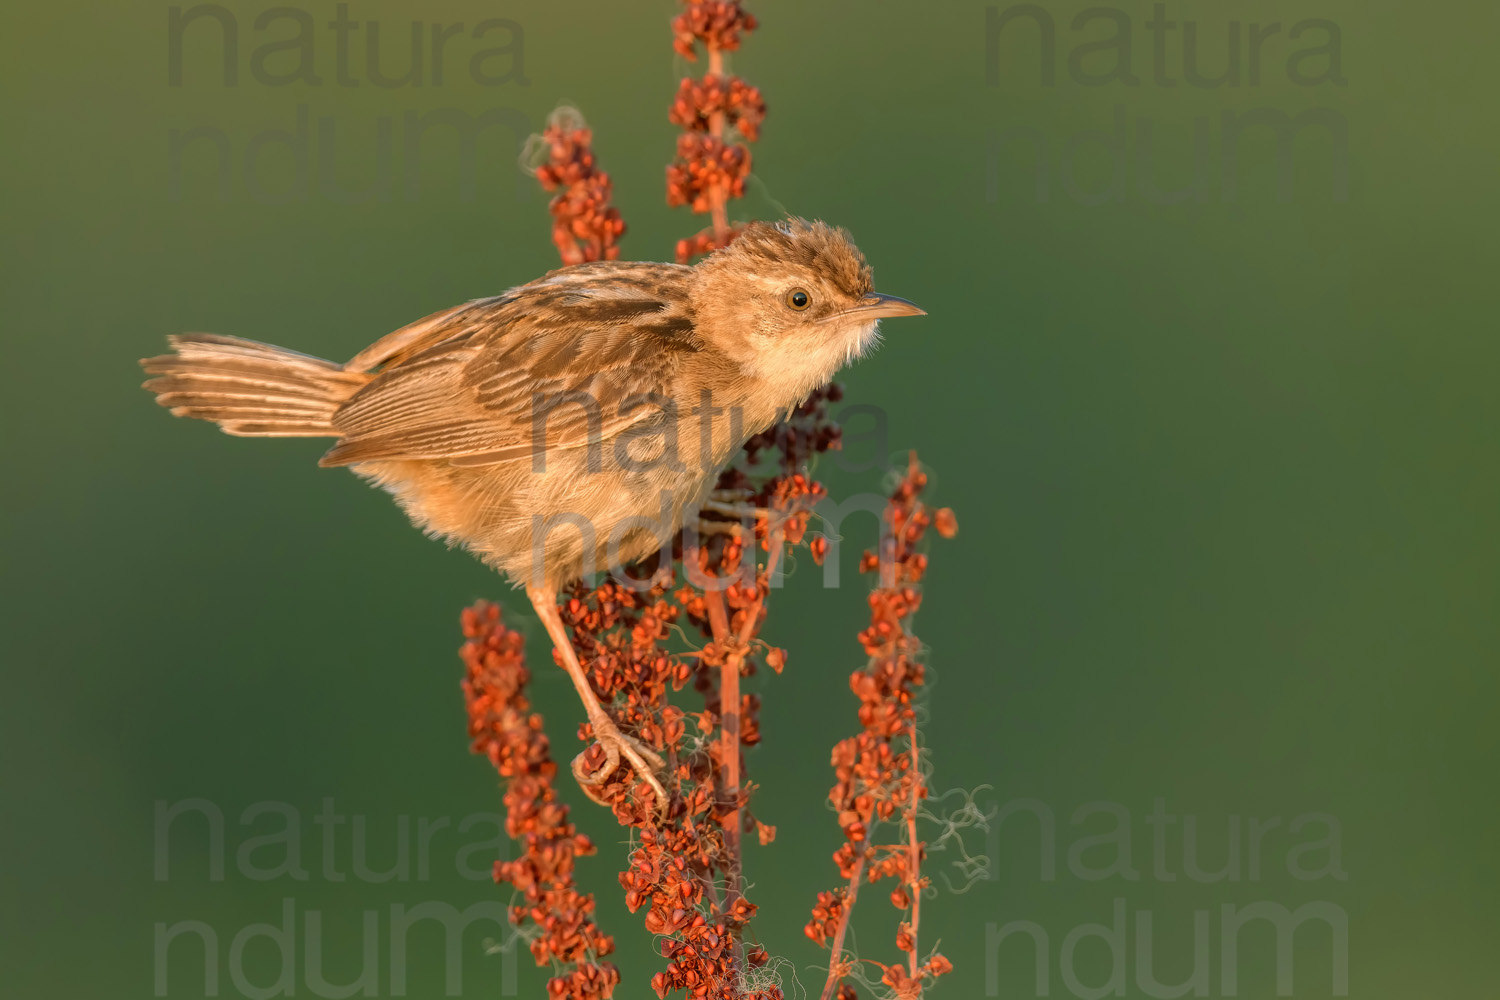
[570,424]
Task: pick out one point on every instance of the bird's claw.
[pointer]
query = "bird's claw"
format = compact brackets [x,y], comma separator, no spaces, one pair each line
[616,744]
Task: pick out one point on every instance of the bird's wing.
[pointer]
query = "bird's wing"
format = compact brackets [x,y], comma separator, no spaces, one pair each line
[410,339]
[579,353]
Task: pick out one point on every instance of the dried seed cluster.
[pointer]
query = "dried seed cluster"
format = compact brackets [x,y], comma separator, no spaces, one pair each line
[715,24]
[685,868]
[710,169]
[698,101]
[503,728]
[879,783]
[585,226]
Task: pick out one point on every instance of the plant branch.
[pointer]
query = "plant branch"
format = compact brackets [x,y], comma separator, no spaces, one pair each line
[836,970]
[914,849]
[718,198]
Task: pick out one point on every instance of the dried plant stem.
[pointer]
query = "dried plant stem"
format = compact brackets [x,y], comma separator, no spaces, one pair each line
[914,849]
[752,613]
[729,734]
[729,696]
[735,646]
[836,971]
[729,754]
[717,196]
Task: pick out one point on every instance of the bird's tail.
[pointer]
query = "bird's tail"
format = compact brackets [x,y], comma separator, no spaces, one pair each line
[251,389]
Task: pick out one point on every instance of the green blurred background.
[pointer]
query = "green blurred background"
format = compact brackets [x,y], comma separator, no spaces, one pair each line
[1224,470]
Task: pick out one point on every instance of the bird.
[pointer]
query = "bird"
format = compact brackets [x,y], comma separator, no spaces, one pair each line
[568,425]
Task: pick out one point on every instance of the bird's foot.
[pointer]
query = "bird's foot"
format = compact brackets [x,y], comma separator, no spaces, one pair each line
[734,518]
[709,527]
[738,509]
[734,494]
[616,745]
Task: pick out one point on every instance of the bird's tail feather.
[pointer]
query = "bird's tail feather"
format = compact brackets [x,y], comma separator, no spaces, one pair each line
[251,389]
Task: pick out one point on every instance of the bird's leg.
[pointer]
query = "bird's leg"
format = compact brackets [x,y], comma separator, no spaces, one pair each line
[608,735]
[739,510]
[707,527]
[746,516]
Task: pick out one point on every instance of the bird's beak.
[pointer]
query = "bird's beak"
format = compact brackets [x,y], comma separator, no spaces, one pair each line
[877,306]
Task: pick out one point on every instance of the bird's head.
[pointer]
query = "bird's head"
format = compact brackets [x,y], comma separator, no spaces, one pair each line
[791,302]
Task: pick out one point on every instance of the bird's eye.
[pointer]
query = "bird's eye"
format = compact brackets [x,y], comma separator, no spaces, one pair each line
[798,299]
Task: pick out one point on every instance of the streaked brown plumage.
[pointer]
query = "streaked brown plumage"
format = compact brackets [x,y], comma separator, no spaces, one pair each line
[601,398]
